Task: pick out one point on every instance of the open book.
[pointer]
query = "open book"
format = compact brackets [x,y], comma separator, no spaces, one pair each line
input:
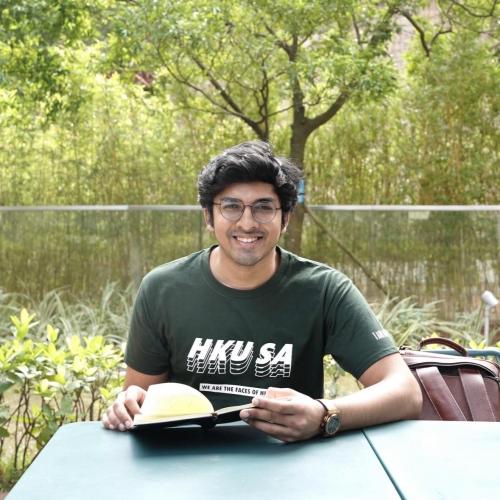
[171,404]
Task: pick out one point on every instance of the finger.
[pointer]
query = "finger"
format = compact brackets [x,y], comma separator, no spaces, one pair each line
[106,423]
[113,421]
[119,416]
[280,392]
[285,405]
[258,414]
[133,392]
[133,401]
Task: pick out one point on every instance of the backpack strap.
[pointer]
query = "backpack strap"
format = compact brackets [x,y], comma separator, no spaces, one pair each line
[439,393]
[476,395]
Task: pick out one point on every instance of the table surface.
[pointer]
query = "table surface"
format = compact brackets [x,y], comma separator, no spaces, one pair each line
[431,460]
[85,461]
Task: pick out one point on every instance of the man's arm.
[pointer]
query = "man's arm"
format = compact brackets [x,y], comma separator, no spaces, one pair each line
[119,416]
[390,393]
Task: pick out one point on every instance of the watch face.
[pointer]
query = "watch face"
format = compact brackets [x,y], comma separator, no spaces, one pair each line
[332,425]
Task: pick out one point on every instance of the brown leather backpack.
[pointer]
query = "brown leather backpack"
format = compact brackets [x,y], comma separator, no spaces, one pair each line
[455,387]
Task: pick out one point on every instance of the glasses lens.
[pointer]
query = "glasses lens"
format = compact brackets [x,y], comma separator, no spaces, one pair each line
[231,210]
[263,211]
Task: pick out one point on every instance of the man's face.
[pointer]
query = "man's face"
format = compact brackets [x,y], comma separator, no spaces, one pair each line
[246,241]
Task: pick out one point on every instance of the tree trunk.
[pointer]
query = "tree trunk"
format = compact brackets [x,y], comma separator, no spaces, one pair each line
[293,238]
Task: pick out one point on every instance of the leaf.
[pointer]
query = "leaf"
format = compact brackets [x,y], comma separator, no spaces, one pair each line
[43,385]
[44,436]
[94,343]
[26,317]
[105,393]
[5,384]
[60,376]
[79,364]
[22,324]
[74,344]
[36,410]
[67,405]
[52,333]
[4,413]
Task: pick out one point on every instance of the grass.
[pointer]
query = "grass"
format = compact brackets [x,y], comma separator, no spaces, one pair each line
[410,322]
[107,315]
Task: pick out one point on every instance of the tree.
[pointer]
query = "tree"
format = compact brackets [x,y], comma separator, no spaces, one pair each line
[36,42]
[271,64]
[266,63]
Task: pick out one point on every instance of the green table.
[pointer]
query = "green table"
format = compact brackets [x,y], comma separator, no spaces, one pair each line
[234,461]
[430,460]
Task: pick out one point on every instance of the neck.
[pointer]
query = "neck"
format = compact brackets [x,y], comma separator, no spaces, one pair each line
[240,277]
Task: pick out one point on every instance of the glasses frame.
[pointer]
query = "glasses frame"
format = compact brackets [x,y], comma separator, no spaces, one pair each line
[243,208]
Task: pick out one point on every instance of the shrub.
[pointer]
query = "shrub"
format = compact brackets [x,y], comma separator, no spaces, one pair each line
[45,383]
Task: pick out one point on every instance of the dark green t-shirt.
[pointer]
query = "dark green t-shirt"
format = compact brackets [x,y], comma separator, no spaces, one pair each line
[233,344]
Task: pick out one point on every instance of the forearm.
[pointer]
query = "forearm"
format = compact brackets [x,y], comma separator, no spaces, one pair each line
[388,400]
[133,377]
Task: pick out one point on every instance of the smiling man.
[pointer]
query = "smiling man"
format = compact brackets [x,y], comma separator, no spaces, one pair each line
[245,320]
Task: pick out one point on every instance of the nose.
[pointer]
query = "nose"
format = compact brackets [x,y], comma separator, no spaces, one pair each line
[246,220]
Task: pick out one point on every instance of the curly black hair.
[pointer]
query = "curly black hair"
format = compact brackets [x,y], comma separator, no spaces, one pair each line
[251,161]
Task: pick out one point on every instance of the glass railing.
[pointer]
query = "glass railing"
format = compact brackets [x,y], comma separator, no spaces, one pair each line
[449,254]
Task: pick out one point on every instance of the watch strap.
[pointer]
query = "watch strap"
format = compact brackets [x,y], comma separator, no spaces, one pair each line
[323,405]
[323,420]
[329,413]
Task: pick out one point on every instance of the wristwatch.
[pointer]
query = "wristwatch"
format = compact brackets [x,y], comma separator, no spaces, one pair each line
[331,421]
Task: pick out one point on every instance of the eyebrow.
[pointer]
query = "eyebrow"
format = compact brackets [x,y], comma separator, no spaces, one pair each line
[229,198]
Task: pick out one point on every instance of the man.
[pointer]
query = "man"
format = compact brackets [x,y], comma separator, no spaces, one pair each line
[246,320]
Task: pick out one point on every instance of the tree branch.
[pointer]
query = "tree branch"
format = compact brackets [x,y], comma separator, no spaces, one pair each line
[279,111]
[236,110]
[321,119]
[467,9]
[345,94]
[356,28]
[279,42]
[264,104]
[183,80]
[421,32]
[344,247]
[456,20]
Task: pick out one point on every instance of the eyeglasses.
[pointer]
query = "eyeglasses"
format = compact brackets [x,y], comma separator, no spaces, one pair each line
[262,211]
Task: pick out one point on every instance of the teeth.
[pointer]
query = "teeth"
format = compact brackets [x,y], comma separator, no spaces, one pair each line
[246,240]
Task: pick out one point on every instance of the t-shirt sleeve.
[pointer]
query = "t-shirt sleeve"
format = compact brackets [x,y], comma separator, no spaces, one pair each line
[146,349]
[355,337]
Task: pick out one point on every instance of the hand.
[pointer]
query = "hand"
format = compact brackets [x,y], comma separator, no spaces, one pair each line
[119,416]
[285,414]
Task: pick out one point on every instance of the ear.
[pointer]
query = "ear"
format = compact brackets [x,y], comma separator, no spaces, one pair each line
[285,221]
[208,219]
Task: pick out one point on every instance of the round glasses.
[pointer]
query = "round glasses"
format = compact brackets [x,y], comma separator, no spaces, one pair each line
[262,211]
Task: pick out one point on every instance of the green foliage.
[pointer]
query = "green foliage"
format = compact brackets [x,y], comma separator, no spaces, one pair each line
[435,141]
[47,382]
[453,106]
[408,323]
[256,60]
[123,102]
[119,147]
[40,41]
[107,315]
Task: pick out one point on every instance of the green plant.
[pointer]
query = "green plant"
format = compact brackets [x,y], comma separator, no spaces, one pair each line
[107,315]
[47,382]
[408,323]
